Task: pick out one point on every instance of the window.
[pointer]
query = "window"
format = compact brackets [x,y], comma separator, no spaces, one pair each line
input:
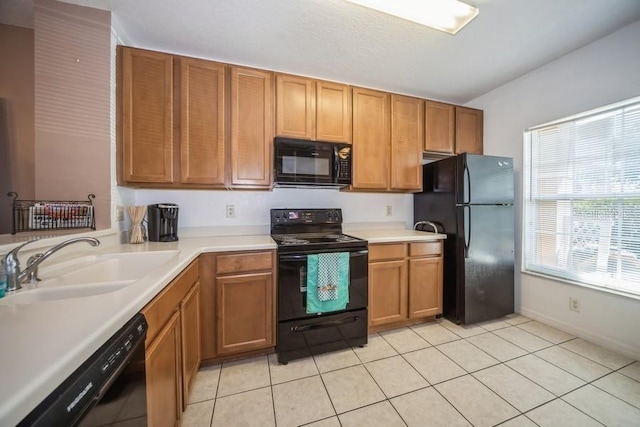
[582,198]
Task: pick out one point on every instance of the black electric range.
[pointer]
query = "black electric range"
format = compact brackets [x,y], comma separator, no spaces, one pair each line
[301,233]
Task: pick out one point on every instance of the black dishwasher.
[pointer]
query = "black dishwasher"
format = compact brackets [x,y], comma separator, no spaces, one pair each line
[108,388]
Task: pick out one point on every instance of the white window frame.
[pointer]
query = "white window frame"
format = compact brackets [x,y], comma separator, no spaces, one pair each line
[599,228]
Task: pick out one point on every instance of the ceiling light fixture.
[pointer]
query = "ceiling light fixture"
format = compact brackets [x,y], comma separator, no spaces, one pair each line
[449,16]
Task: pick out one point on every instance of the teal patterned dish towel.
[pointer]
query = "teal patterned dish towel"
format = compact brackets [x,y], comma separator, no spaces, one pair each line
[327,282]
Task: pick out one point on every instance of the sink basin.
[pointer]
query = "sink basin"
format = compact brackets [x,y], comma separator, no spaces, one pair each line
[118,267]
[90,275]
[30,296]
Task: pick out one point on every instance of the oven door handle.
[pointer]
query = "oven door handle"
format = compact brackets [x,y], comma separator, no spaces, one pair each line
[299,257]
[332,323]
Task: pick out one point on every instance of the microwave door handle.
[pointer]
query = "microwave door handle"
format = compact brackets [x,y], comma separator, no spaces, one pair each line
[336,164]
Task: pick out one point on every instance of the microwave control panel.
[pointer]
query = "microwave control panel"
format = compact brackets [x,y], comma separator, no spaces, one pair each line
[344,159]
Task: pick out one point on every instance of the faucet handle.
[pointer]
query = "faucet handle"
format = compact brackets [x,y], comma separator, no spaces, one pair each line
[11,259]
[33,275]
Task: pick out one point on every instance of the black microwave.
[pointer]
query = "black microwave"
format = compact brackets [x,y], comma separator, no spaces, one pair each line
[300,163]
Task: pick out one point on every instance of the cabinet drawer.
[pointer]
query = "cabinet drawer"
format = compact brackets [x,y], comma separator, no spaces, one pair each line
[234,263]
[425,249]
[160,309]
[392,251]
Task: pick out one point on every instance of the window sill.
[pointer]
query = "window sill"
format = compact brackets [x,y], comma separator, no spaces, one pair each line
[583,285]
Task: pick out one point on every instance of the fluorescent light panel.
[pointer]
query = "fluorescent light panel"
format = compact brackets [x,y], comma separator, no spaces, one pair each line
[449,16]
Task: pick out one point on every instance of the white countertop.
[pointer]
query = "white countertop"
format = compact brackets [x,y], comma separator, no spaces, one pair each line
[43,343]
[395,235]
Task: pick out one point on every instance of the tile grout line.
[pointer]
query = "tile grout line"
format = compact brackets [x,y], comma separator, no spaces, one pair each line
[215,400]
[326,390]
[273,399]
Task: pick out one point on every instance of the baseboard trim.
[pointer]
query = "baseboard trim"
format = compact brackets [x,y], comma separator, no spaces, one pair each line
[623,348]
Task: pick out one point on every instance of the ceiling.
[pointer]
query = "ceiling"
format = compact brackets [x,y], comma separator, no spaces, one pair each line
[340,41]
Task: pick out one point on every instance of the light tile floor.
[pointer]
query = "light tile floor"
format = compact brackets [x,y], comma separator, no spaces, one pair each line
[511,372]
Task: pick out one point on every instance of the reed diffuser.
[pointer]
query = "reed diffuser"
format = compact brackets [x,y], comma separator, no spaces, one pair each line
[137,213]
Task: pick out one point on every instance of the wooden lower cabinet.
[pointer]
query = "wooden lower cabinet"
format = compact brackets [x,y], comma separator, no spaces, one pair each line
[387,292]
[425,289]
[164,377]
[245,312]
[190,324]
[238,303]
[405,282]
[172,347]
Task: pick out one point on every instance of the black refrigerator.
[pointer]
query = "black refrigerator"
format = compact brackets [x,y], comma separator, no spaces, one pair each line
[471,197]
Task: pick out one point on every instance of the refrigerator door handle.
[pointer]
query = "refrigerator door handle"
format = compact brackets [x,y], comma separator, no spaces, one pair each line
[466,196]
[467,229]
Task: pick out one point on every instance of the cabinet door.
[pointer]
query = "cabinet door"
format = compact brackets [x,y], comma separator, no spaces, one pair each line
[202,138]
[439,127]
[387,292]
[334,112]
[146,110]
[371,139]
[295,107]
[469,128]
[190,328]
[251,127]
[207,266]
[407,135]
[425,287]
[164,379]
[245,312]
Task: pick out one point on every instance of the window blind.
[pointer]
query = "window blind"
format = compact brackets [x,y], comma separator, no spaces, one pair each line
[582,198]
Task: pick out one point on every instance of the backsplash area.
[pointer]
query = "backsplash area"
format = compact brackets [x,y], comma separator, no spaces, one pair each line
[209,208]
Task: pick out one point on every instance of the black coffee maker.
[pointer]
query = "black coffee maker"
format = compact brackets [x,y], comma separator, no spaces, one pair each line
[163,222]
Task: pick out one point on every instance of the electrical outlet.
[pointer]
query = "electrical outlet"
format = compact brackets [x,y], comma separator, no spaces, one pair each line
[119,213]
[574,304]
[389,210]
[231,211]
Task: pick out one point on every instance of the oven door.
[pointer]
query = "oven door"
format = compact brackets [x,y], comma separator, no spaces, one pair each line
[304,162]
[292,283]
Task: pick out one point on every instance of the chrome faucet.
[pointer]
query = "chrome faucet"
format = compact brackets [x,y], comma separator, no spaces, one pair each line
[15,277]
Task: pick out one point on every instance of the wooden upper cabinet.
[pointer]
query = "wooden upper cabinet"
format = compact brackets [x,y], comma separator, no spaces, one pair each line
[371,139]
[469,129]
[251,127]
[407,135]
[439,127]
[202,121]
[295,107]
[311,109]
[145,137]
[333,106]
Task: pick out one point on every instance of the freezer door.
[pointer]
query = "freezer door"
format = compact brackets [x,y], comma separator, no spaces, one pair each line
[484,179]
[487,262]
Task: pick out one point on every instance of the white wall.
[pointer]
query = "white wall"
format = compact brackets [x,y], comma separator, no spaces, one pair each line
[208,208]
[601,73]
